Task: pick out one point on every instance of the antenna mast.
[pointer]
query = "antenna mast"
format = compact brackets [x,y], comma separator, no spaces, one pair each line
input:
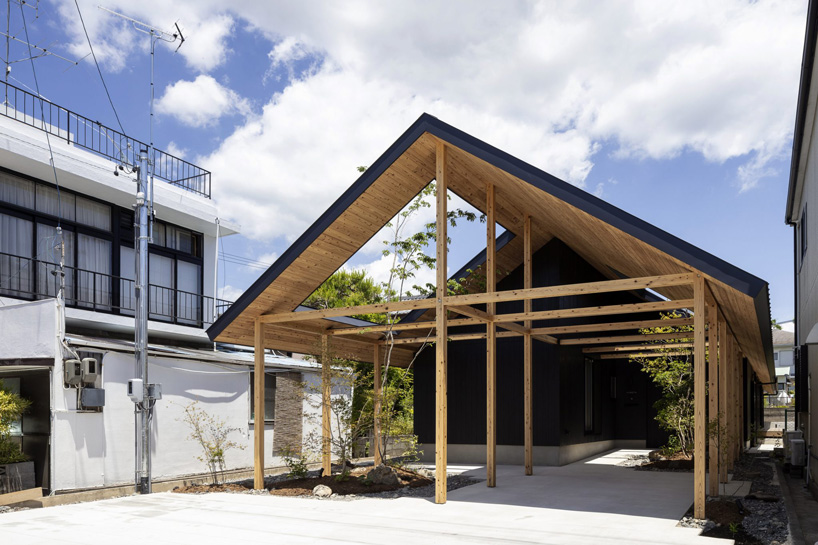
[143,409]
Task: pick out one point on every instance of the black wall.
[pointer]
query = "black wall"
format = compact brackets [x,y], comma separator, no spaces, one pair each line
[622,408]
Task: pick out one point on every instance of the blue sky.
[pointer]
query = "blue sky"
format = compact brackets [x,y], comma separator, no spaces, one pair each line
[679,113]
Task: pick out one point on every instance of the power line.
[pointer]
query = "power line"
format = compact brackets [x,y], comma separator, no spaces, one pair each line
[98,68]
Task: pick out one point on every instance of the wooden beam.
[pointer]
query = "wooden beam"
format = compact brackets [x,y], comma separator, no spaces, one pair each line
[399,327]
[613,326]
[491,343]
[635,348]
[441,368]
[344,312]
[452,337]
[604,286]
[326,392]
[377,394]
[316,331]
[713,400]
[258,407]
[629,338]
[471,312]
[594,311]
[699,399]
[632,355]
[527,354]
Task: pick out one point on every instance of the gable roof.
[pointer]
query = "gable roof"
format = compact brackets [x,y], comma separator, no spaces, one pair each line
[607,237]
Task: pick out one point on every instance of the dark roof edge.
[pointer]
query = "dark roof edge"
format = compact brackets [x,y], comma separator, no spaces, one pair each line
[762,305]
[319,226]
[807,62]
[697,258]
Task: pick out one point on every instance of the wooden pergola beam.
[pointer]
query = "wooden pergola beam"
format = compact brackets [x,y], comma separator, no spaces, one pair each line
[399,327]
[451,338]
[585,288]
[613,326]
[608,310]
[604,286]
[629,355]
[635,348]
[629,338]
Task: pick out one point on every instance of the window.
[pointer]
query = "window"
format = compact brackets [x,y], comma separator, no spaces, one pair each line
[161,275]
[775,356]
[269,397]
[94,287]
[589,395]
[49,254]
[16,246]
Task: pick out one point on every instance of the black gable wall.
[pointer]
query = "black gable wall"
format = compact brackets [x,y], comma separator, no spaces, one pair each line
[558,374]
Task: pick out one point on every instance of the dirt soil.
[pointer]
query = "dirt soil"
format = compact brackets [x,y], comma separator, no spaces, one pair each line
[354,484]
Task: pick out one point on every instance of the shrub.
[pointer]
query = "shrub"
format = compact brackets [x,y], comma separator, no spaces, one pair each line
[12,407]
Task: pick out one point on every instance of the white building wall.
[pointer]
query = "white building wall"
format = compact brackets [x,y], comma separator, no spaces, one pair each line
[28,329]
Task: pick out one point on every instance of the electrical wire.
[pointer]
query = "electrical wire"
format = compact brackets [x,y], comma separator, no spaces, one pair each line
[110,100]
[42,116]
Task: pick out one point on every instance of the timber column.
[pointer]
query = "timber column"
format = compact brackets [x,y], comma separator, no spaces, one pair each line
[491,344]
[258,407]
[527,348]
[699,397]
[326,398]
[377,394]
[441,371]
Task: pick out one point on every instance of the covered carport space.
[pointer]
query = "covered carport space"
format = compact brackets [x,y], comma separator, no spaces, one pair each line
[592,502]
[727,307]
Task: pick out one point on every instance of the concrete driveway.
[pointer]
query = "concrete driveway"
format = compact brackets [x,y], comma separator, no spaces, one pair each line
[592,501]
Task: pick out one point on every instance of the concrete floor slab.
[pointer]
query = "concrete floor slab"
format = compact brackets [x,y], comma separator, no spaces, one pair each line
[588,502]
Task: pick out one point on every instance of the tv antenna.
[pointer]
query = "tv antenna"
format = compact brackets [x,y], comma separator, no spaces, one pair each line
[40,51]
[144,399]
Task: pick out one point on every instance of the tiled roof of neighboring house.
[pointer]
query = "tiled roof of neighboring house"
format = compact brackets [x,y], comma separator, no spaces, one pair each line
[783,338]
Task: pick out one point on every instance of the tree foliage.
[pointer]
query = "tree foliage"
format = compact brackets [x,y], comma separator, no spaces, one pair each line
[12,407]
[211,433]
[672,372]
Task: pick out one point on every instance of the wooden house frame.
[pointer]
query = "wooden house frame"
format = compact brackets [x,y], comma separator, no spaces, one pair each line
[730,307]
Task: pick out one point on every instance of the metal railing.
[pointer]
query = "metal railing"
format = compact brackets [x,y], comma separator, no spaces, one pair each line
[28,278]
[93,136]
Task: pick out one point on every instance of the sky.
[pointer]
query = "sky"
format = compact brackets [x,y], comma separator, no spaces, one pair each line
[680,113]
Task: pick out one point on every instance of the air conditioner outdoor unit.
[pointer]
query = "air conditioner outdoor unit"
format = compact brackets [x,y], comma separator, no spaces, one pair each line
[73,372]
[798,457]
[91,370]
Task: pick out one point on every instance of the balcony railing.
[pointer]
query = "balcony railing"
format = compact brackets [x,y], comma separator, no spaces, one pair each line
[93,136]
[27,278]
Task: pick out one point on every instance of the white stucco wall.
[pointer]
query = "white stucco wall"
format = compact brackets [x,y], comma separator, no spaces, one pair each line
[97,449]
[28,329]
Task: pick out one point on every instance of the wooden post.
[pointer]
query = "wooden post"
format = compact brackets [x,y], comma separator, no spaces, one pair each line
[723,438]
[326,391]
[491,344]
[377,394]
[258,408]
[699,398]
[731,425]
[713,400]
[527,348]
[441,437]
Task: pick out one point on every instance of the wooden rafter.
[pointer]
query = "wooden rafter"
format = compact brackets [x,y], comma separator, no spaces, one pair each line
[613,326]
[629,355]
[635,348]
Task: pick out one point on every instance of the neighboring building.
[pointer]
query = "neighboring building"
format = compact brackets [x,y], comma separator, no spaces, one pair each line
[783,355]
[74,442]
[802,201]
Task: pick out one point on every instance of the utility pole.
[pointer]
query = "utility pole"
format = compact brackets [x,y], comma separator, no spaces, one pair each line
[147,395]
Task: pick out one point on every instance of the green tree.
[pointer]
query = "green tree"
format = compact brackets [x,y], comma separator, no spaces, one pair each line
[672,371]
[12,407]
[348,288]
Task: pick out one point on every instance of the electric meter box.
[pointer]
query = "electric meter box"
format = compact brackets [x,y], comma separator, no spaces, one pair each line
[91,370]
[135,390]
[73,372]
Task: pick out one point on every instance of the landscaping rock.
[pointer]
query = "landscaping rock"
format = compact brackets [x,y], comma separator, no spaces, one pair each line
[383,474]
[322,491]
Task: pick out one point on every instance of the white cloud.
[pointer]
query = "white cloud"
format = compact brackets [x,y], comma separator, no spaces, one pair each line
[550,82]
[229,293]
[201,102]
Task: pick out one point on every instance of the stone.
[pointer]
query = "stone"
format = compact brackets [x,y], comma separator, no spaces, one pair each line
[322,491]
[384,475]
